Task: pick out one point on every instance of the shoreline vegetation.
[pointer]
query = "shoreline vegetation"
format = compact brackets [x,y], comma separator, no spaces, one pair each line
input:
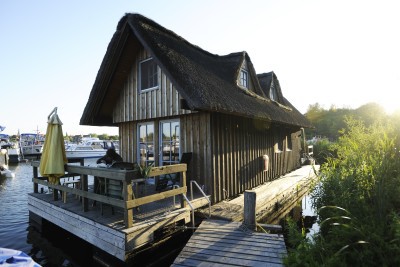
[356,198]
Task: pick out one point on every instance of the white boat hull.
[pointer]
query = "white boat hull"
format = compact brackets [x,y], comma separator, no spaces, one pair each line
[91,148]
[85,154]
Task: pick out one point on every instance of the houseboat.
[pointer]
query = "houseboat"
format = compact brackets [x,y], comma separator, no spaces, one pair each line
[163,92]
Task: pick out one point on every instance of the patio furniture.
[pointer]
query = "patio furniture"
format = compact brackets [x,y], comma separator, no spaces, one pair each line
[168,181]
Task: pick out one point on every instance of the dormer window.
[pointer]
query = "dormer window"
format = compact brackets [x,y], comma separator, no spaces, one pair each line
[244,78]
[148,75]
[273,95]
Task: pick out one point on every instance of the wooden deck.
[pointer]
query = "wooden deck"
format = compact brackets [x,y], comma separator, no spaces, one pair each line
[273,198]
[222,243]
[139,221]
[107,232]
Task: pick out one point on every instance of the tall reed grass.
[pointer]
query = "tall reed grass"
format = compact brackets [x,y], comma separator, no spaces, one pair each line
[357,202]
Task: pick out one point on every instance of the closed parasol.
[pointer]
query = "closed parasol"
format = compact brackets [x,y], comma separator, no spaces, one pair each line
[53,157]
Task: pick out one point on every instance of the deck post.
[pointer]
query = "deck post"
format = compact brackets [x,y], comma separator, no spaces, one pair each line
[84,185]
[128,213]
[35,175]
[249,216]
[183,183]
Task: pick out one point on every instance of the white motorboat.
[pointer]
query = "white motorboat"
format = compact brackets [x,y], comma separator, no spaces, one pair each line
[12,257]
[89,148]
[31,144]
[13,150]
[4,171]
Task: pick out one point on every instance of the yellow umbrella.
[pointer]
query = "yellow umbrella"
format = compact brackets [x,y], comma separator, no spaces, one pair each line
[53,156]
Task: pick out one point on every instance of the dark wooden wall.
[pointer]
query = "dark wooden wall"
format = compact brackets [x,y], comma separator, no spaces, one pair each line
[238,145]
[227,151]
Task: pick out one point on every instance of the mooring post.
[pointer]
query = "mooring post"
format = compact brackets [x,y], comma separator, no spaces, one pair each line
[249,216]
[35,175]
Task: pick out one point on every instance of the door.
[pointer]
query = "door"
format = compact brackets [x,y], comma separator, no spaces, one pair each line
[169,142]
[146,144]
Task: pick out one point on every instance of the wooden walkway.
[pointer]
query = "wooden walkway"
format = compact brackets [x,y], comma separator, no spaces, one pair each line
[222,243]
[273,198]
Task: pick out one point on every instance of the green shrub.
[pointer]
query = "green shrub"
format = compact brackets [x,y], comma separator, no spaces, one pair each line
[357,202]
[322,151]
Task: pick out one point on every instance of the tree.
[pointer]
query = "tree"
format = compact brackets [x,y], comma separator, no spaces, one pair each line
[328,123]
[370,113]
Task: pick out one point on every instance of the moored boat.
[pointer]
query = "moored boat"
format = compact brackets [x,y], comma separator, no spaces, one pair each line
[4,171]
[13,150]
[89,148]
[31,144]
[12,257]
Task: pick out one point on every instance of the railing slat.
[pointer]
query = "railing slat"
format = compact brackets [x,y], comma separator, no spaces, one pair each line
[155,197]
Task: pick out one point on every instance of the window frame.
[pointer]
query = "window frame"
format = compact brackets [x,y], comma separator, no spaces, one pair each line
[170,142]
[139,142]
[278,143]
[141,90]
[289,142]
[244,78]
[273,94]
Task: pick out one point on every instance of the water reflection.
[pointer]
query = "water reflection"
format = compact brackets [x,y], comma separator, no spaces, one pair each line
[304,215]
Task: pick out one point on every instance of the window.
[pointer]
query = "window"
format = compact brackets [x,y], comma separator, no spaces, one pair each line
[148,74]
[169,141]
[273,95]
[244,81]
[289,142]
[278,146]
[146,143]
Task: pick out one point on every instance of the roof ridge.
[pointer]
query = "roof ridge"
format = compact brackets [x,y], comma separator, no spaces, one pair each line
[171,33]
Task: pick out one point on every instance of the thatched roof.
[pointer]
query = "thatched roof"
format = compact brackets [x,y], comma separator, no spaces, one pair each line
[206,82]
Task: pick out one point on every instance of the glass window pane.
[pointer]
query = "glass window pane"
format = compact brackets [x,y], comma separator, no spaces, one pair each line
[150,133]
[175,130]
[166,130]
[148,74]
[146,144]
[142,133]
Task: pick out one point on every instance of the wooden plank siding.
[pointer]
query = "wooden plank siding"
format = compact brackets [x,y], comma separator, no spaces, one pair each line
[238,145]
[133,105]
[227,151]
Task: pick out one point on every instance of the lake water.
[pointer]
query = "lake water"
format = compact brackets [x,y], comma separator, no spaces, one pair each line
[15,231]
[304,215]
[14,209]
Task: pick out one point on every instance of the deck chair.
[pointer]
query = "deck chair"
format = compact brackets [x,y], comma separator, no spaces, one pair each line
[113,188]
[169,181]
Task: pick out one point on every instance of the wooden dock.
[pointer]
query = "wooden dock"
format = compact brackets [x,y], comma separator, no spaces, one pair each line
[222,243]
[274,198]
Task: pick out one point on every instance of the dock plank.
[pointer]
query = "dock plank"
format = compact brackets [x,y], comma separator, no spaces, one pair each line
[222,243]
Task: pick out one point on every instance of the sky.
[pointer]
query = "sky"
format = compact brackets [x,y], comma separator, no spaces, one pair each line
[343,53]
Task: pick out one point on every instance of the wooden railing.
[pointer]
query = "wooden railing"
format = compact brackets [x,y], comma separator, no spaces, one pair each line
[129,201]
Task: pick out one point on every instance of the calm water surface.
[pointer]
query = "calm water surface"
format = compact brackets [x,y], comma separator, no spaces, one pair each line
[15,231]
[14,215]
